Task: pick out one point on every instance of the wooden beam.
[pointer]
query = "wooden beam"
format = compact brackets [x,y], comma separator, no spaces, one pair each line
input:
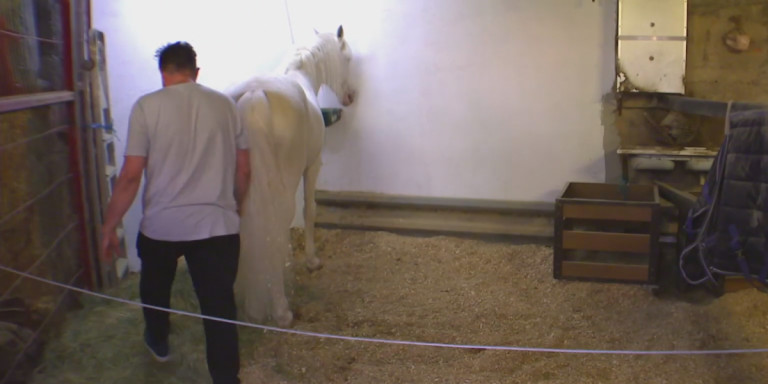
[704,107]
[683,200]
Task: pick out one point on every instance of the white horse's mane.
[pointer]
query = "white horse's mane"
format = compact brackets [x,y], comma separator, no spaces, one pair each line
[322,61]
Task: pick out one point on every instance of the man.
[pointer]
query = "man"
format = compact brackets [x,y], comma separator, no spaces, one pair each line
[195,152]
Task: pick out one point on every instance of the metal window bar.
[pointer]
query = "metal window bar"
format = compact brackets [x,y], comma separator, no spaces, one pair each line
[47,252]
[36,198]
[77,20]
[75,16]
[42,326]
[14,103]
[21,36]
[6,147]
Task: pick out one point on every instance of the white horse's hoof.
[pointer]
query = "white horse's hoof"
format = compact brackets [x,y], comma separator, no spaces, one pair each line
[284,319]
[314,264]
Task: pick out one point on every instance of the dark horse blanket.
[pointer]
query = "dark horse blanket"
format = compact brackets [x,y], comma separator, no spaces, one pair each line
[727,231]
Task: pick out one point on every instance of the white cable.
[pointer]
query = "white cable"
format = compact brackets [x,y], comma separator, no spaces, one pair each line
[400,342]
[290,24]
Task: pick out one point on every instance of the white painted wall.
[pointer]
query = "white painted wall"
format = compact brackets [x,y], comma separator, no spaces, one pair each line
[229,38]
[497,99]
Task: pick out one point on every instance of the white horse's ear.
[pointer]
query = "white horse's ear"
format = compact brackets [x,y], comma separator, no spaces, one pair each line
[340,32]
[316,32]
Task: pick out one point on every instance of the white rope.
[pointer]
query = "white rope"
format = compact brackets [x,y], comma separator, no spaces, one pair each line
[290,24]
[399,342]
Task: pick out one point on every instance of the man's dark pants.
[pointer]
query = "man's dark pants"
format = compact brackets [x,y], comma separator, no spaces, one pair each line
[212,265]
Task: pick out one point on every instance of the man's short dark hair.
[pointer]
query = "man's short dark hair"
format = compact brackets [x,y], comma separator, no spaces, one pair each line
[177,56]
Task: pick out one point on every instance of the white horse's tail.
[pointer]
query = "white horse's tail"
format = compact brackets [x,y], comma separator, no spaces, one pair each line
[260,280]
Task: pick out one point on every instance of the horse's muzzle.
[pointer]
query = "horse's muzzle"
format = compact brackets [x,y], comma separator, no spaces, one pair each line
[349,98]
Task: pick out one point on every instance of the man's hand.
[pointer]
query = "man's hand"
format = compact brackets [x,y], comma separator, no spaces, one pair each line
[110,244]
[123,193]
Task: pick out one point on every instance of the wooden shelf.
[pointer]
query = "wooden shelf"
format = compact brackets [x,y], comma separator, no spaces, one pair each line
[710,108]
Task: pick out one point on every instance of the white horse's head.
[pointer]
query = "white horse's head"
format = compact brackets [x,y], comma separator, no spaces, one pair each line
[327,62]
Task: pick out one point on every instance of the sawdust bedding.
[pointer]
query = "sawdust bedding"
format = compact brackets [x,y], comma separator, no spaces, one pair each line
[435,289]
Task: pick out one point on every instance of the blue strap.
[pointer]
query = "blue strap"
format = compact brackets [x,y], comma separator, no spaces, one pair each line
[743,266]
[106,127]
[624,188]
[705,193]
[735,243]
[689,225]
[747,276]
[742,261]
[764,271]
[709,241]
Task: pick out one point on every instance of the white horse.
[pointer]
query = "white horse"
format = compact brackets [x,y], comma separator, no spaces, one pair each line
[286,130]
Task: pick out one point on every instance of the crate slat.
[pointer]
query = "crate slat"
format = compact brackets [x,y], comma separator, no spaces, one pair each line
[604,241]
[606,212]
[604,271]
[610,192]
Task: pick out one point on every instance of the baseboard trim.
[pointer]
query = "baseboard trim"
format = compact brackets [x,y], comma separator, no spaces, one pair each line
[372,211]
[342,198]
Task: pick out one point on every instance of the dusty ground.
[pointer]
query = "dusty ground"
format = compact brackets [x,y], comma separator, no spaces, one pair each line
[437,289]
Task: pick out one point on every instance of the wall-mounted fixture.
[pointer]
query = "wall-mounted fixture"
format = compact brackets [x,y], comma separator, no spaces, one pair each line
[652,38]
[736,40]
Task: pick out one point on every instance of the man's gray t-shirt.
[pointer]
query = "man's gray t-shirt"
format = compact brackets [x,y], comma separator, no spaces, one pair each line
[189,135]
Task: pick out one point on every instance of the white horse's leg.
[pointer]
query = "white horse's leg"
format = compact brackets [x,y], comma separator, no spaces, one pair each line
[310,181]
[281,311]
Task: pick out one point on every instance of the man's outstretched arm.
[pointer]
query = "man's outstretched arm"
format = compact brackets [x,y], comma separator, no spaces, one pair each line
[126,188]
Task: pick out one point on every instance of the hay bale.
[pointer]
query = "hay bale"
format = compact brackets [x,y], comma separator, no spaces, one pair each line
[13,339]
[49,26]
[18,350]
[19,17]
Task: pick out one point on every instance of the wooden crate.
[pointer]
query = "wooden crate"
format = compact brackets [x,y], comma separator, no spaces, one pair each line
[607,233]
